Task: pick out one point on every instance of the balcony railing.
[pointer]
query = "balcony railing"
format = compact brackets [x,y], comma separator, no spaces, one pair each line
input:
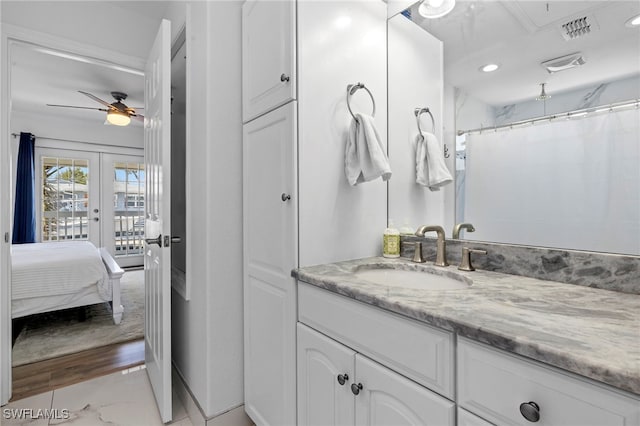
[128,229]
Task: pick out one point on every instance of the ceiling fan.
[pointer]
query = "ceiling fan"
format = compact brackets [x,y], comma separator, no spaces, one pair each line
[117,112]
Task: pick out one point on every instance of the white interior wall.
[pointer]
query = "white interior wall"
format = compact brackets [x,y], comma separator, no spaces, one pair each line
[339,43]
[207,329]
[224,205]
[415,81]
[103,24]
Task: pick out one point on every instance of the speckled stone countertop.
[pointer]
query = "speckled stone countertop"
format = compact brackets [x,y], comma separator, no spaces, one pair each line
[591,332]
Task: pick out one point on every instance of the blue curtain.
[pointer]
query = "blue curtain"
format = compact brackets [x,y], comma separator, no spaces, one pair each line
[24,216]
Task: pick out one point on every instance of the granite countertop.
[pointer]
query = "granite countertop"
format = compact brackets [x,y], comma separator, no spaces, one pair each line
[591,332]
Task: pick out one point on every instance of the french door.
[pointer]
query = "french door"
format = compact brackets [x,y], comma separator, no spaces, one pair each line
[123,200]
[68,195]
[97,197]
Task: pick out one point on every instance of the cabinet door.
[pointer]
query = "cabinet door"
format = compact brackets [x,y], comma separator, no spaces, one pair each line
[322,399]
[268,56]
[270,252]
[387,398]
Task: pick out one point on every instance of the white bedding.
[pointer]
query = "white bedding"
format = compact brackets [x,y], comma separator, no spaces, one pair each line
[57,268]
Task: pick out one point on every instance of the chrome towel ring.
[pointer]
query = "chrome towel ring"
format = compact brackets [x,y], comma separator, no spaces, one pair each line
[353,88]
[419,112]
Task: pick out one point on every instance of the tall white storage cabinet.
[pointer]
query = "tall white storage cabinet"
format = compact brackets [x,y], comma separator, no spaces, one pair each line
[298,58]
[268,56]
[270,252]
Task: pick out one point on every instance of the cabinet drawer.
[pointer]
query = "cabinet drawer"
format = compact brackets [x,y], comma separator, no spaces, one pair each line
[422,353]
[493,384]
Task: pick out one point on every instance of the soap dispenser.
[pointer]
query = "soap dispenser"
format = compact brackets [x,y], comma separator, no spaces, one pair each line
[391,241]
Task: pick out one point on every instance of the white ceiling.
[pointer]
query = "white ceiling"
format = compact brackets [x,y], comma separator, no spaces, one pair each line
[41,76]
[519,35]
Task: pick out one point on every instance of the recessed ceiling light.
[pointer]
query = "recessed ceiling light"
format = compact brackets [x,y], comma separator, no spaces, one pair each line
[436,8]
[489,67]
[633,22]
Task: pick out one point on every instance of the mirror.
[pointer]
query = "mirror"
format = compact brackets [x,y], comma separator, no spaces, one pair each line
[555,165]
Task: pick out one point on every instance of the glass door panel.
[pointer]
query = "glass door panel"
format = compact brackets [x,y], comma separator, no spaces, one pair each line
[68,195]
[128,205]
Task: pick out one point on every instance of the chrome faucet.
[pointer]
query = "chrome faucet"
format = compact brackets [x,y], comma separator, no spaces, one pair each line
[460,226]
[441,250]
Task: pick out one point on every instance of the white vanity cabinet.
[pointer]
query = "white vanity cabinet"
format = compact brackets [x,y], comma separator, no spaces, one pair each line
[337,386]
[494,385]
[383,359]
[268,56]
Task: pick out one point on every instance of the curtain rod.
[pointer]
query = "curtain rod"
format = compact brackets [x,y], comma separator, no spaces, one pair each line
[569,114]
[15,135]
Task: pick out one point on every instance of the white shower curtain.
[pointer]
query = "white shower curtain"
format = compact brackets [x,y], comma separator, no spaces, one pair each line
[571,183]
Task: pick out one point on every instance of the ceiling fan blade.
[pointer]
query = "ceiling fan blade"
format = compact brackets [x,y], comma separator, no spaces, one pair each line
[97,99]
[78,107]
[138,117]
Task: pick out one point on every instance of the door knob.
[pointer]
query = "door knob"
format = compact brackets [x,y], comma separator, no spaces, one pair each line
[356,388]
[157,241]
[285,197]
[284,78]
[342,378]
[175,240]
[530,411]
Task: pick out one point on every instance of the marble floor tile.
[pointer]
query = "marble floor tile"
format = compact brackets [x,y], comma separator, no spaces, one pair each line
[28,411]
[122,399]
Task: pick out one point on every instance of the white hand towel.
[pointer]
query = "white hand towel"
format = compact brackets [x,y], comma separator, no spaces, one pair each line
[431,170]
[365,158]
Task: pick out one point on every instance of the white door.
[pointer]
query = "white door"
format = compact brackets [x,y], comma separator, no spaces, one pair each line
[387,398]
[268,56]
[157,256]
[68,195]
[270,252]
[326,371]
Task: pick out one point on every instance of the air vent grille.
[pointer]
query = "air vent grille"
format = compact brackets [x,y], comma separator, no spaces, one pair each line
[579,27]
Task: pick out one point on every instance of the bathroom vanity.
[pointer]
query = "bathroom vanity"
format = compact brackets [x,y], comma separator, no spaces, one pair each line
[506,349]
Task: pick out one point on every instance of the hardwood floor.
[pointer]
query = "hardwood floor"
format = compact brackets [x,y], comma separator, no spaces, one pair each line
[43,376]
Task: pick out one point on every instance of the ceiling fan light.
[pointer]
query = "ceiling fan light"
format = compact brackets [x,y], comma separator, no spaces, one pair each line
[432,9]
[118,118]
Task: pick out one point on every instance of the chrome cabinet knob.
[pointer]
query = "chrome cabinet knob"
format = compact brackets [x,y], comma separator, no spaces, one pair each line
[530,411]
[356,388]
[96,219]
[284,78]
[343,378]
[175,240]
[285,197]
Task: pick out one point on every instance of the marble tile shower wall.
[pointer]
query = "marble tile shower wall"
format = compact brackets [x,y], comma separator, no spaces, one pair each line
[599,270]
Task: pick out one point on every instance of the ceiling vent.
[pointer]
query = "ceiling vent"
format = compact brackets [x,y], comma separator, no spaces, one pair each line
[564,62]
[579,27]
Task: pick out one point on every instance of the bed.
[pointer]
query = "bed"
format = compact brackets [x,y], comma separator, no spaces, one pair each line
[51,276]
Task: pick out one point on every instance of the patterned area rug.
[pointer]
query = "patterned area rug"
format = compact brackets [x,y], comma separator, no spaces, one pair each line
[53,334]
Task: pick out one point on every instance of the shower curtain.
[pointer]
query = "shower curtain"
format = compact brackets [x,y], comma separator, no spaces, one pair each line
[571,183]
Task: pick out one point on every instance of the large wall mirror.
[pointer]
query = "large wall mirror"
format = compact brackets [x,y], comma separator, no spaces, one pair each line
[540,109]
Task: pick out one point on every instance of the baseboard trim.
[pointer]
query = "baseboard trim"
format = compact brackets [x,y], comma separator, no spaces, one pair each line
[234,416]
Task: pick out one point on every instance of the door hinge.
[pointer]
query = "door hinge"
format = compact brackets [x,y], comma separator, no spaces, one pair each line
[6,237]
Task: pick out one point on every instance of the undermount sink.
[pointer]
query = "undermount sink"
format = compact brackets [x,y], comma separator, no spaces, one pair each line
[419,279]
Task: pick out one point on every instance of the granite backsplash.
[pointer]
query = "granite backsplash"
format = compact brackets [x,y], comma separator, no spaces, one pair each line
[599,270]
